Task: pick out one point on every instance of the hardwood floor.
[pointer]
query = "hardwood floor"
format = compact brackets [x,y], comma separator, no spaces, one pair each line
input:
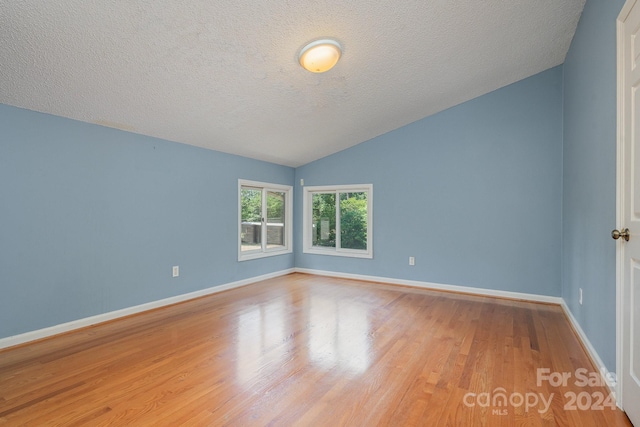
[311,351]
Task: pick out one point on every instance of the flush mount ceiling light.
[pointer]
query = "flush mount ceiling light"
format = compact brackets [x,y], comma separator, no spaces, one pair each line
[320,56]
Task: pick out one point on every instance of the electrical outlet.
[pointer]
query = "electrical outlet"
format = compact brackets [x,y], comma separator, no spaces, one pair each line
[580,297]
[412,260]
[176,270]
[301,182]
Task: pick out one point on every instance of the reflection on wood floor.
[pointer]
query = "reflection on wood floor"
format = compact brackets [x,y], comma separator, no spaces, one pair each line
[312,351]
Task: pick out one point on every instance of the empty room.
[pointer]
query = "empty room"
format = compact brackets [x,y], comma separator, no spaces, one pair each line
[319,213]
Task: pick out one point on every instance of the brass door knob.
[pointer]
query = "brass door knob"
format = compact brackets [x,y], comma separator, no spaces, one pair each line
[618,234]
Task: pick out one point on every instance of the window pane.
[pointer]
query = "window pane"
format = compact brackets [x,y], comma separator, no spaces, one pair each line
[353,220]
[324,220]
[251,227]
[275,219]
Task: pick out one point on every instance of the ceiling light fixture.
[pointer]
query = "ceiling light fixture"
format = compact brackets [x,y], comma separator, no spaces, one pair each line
[320,56]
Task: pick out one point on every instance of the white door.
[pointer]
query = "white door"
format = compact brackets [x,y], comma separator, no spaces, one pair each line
[628,252]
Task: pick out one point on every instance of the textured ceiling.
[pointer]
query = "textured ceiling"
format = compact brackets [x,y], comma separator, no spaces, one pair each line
[224,74]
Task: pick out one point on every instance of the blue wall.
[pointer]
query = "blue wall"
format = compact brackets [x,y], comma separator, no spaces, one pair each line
[589,175]
[92,219]
[472,192]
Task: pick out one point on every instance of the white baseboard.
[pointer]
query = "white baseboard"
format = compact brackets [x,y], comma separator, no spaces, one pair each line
[438,286]
[608,378]
[100,318]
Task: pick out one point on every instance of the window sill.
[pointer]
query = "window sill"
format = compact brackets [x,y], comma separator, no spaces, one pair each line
[341,253]
[247,256]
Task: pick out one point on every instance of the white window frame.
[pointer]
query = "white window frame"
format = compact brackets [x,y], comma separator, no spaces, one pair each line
[288,223]
[307,221]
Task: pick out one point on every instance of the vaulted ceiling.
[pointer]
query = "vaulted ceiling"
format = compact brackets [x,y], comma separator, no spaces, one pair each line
[224,74]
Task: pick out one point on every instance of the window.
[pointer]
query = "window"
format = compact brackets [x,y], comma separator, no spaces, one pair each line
[264,212]
[338,220]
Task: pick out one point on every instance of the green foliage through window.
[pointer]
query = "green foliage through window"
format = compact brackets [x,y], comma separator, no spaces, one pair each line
[251,205]
[324,219]
[352,217]
[353,220]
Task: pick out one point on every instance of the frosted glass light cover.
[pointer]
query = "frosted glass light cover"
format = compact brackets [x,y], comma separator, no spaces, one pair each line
[320,56]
